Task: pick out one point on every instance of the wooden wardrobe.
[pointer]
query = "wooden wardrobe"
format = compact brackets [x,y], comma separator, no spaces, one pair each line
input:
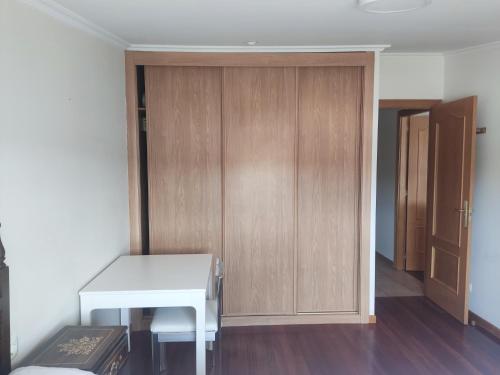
[265,161]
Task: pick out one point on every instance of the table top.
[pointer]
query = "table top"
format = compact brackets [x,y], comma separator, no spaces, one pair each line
[150,273]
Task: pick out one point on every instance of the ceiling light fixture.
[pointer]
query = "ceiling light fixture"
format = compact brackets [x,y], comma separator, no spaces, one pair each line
[251,42]
[392,6]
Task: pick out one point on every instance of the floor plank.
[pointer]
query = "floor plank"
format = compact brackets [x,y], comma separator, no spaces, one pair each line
[412,336]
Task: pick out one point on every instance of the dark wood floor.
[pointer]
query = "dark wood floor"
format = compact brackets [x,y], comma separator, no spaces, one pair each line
[412,336]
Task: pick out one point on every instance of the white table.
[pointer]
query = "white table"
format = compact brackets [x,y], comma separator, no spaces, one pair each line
[152,281]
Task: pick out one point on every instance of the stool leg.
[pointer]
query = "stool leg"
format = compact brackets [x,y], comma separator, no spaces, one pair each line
[155,354]
[163,357]
[218,351]
[214,353]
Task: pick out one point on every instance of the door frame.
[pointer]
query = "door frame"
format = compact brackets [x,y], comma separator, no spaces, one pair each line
[365,60]
[406,107]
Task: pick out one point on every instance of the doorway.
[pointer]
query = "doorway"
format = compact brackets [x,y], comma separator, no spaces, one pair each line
[411,191]
[446,217]
[401,197]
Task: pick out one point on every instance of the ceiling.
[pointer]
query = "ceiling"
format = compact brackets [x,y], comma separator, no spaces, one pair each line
[445,25]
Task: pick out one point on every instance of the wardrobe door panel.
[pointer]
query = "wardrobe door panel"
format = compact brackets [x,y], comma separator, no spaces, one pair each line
[184,159]
[329,120]
[259,190]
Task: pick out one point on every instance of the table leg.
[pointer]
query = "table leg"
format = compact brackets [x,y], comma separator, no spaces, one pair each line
[200,335]
[85,315]
[125,321]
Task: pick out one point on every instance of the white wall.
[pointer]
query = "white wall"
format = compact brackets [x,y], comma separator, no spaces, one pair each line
[63,166]
[411,76]
[386,181]
[477,72]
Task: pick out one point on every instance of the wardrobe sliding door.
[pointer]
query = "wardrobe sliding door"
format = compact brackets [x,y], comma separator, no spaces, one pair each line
[184,159]
[259,190]
[329,120]
[263,165]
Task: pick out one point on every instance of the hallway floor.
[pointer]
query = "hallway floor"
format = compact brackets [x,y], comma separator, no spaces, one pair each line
[390,282]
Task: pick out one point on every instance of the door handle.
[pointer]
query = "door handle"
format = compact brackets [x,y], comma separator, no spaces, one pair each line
[467,212]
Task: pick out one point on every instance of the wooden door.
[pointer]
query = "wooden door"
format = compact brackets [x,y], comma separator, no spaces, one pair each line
[418,144]
[184,159]
[259,190]
[401,191]
[452,140]
[329,101]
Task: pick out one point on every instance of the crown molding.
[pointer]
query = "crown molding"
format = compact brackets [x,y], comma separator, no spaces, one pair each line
[215,48]
[413,54]
[70,18]
[479,47]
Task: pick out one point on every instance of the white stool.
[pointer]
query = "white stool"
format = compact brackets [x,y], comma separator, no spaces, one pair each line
[178,324]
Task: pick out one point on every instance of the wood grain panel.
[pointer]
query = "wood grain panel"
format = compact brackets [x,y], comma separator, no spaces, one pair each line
[401,192]
[366,115]
[406,104]
[445,268]
[358,270]
[417,193]
[329,175]
[249,59]
[299,319]
[259,127]
[449,161]
[452,142]
[184,159]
